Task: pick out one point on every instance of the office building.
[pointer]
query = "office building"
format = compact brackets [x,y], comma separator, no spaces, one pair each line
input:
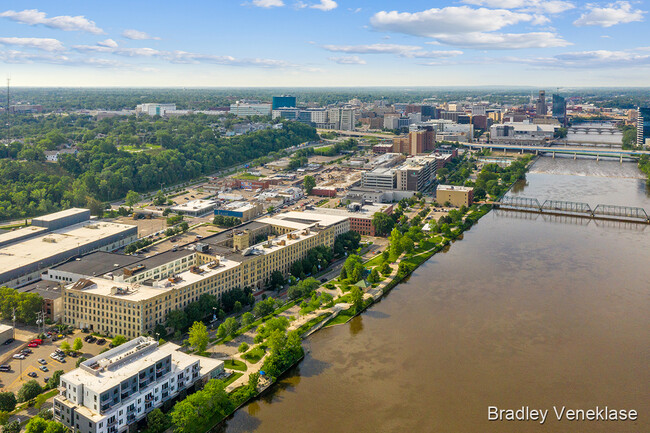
[559,109]
[243,109]
[456,195]
[55,238]
[379,178]
[240,209]
[111,392]
[643,126]
[416,173]
[283,102]
[540,108]
[342,118]
[360,215]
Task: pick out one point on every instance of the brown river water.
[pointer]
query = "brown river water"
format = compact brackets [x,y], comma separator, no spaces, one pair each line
[525,310]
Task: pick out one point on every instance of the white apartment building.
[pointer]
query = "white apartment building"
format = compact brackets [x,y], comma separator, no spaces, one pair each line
[342,118]
[379,178]
[118,388]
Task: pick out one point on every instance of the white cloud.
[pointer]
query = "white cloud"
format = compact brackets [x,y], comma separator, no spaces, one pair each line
[541,6]
[44,44]
[449,20]
[183,57]
[137,35]
[325,5]
[268,3]
[503,41]
[348,60]
[619,12]
[34,17]
[586,60]
[108,43]
[409,51]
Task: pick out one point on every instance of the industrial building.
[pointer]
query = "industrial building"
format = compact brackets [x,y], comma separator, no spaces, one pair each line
[456,195]
[112,391]
[135,298]
[240,209]
[24,253]
[195,208]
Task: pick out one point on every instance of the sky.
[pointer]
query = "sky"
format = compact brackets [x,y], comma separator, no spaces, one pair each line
[324,43]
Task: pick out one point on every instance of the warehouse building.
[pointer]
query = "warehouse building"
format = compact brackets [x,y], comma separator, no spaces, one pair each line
[22,261]
[456,195]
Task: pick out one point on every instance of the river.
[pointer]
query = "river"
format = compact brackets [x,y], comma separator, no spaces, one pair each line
[525,310]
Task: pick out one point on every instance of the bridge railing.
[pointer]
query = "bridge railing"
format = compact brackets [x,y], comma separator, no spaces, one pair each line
[620,211]
[519,202]
[567,206]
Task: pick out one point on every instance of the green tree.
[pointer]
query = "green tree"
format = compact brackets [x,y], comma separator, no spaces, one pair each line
[157,421]
[386,269]
[374,276]
[65,346]
[237,307]
[228,327]
[29,390]
[309,184]
[55,427]
[77,344]
[199,336]
[382,223]
[36,425]
[132,198]
[407,244]
[119,340]
[12,427]
[247,318]
[243,347]
[395,249]
[177,319]
[356,298]
[7,401]
[55,379]
[276,280]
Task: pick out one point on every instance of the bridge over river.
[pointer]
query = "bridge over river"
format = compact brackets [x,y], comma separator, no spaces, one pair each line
[598,152]
[574,209]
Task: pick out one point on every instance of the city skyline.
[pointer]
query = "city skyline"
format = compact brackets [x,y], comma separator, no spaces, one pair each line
[325,43]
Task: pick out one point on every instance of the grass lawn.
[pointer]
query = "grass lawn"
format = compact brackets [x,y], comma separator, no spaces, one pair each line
[233,377]
[246,176]
[342,317]
[235,364]
[375,261]
[307,326]
[254,355]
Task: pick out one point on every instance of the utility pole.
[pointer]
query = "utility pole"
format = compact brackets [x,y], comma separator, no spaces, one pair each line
[13,317]
[8,107]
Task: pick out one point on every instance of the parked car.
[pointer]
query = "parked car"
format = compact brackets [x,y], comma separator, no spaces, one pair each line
[101,341]
[37,341]
[46,379]
[8,341]
[26,351]
[32,345]
[43,368]
[42,361]
[32,374]
[5,367]
[19,356]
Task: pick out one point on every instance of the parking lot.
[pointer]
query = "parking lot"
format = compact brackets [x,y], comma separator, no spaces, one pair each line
[19,371]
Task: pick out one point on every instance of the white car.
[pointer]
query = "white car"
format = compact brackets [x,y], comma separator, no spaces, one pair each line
[19,356]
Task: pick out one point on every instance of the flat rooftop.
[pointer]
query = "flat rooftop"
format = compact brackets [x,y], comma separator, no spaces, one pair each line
[153,261]
[196,205]
[302,220]
[454,188]
[8,237]
[61,214]
[44,246]
[45,289]
[97,263]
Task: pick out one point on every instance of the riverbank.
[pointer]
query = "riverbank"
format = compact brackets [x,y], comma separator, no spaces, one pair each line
[334,302]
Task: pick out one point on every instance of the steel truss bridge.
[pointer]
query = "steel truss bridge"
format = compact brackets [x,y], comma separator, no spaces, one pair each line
[574,151]
[597,129]
[576,209]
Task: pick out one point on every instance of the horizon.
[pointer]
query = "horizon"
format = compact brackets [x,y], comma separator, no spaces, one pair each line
[325,44]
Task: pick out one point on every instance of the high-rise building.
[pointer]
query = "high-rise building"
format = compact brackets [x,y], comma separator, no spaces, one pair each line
[643,126]
[541,104]
[283,102]
[342,118]
[559,108]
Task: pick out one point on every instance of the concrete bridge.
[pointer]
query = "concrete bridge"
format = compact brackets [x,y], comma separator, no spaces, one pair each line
[574,209]
[598,152]
[587,129]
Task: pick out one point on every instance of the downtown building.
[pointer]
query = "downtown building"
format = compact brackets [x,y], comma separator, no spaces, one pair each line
[643,126]
[114,390]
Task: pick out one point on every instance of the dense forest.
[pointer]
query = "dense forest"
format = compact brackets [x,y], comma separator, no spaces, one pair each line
[120,154]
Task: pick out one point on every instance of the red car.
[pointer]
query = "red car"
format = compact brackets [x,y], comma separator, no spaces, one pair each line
[32,345]
[37,341]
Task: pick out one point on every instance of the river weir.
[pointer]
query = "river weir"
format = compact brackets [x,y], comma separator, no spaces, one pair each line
[526,310]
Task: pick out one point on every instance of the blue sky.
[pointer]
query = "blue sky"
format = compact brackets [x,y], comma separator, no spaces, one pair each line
[325,43]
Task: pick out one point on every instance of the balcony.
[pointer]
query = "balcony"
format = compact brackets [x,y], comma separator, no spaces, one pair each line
[111,421]
[148,398]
